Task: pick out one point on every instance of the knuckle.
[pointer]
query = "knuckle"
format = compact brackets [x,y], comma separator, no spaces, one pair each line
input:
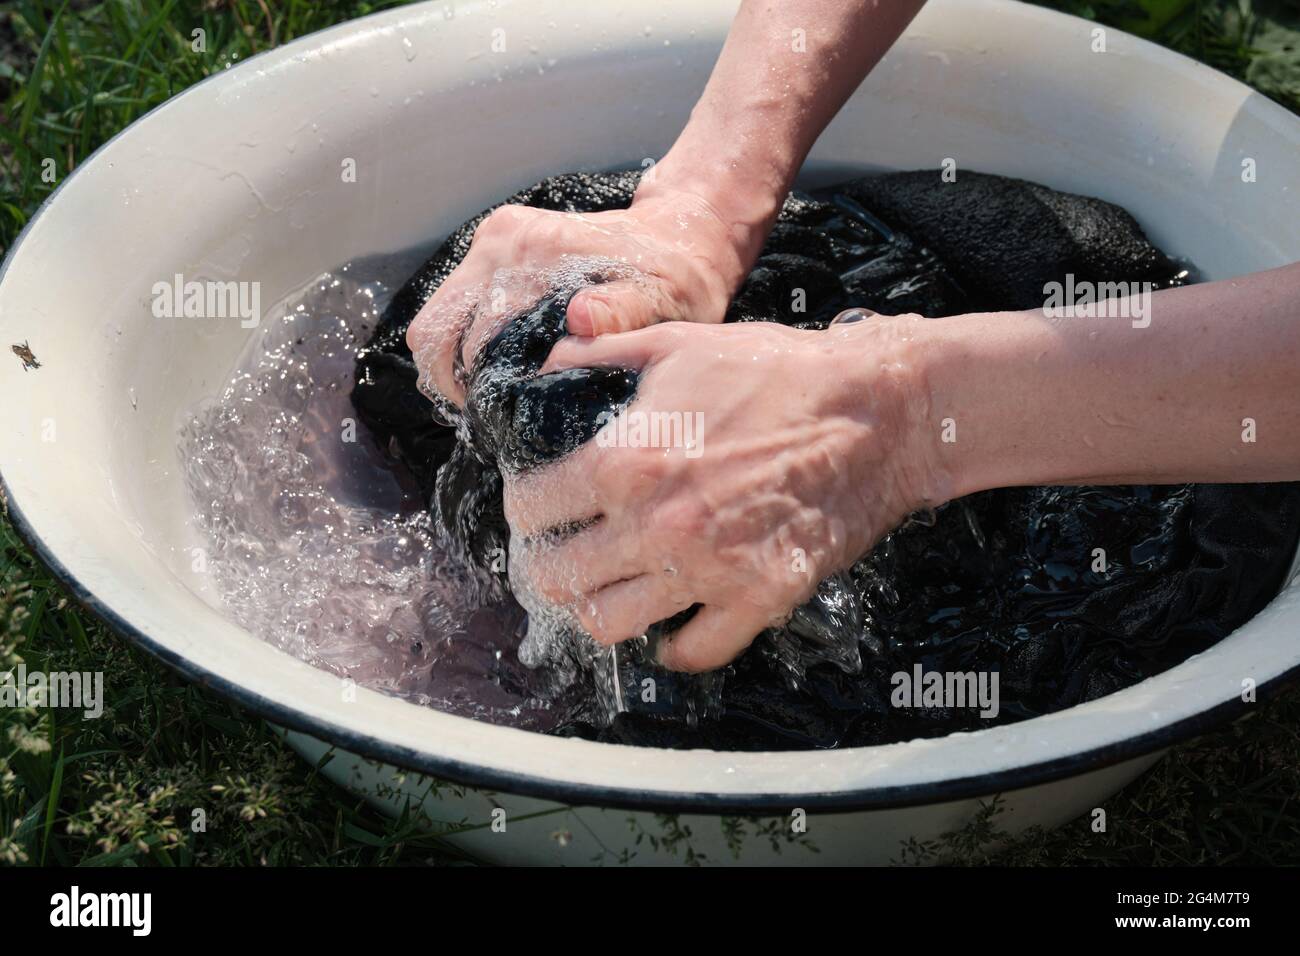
[555,590]
[517,503]
[562,581]
[485,228]
[498,222]
[667,336]
[593,622]
[690,657]
[639,623]
[604,473]
[548,230]
[682,518]
[646,461]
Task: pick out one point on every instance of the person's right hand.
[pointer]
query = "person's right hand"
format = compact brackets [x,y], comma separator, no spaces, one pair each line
[793,453]
[681,260]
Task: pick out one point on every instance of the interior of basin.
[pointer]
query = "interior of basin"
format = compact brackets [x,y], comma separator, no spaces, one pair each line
[326,537]
[258,197]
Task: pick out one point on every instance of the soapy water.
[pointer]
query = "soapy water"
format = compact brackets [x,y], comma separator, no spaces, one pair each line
[318,545]
[553,641]
[321,540]
[321,545]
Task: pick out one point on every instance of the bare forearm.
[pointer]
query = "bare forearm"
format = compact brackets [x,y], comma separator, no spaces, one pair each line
[1208,391]
[785,70]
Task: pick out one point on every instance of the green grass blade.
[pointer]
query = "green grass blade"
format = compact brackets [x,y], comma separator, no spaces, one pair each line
[32,92]
[52,806]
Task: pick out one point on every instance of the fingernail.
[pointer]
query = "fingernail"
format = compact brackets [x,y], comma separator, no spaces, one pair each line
[585,318]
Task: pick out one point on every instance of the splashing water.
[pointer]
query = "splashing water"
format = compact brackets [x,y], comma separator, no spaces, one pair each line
[319,546]
[512,426]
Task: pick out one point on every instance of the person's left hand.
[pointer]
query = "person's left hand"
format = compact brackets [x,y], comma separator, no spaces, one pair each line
[781,457]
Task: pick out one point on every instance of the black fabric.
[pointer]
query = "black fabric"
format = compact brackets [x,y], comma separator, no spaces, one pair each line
[1002,581]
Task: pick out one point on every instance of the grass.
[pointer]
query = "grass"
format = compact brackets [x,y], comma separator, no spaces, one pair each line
[124,789]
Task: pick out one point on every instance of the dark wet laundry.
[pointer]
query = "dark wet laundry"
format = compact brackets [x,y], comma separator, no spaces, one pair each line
[1004,584]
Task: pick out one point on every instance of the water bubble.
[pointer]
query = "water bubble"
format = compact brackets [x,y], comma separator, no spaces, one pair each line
[313,543]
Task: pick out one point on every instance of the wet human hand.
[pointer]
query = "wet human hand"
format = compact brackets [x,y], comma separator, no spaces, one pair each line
[755,460]
[669,256]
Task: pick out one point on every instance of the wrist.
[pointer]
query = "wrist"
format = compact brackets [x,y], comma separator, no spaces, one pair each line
[1003,402]
[742,202]
[878,375]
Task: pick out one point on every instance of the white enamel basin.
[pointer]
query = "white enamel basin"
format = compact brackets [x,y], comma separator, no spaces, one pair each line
[239,178]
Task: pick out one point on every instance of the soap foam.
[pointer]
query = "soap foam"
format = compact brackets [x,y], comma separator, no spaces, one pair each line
[318,546]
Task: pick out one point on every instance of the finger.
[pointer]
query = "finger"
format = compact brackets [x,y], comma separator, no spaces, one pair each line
[433,347]
[505,297]
[619,306]
[553,496]
[715,636]
[594,558]
[435,335]
[632,350]
[626,609]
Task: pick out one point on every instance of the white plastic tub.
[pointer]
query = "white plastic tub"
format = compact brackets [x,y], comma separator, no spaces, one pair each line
[240,178]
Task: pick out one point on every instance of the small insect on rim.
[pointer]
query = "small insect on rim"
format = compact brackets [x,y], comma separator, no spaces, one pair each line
[24,352]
